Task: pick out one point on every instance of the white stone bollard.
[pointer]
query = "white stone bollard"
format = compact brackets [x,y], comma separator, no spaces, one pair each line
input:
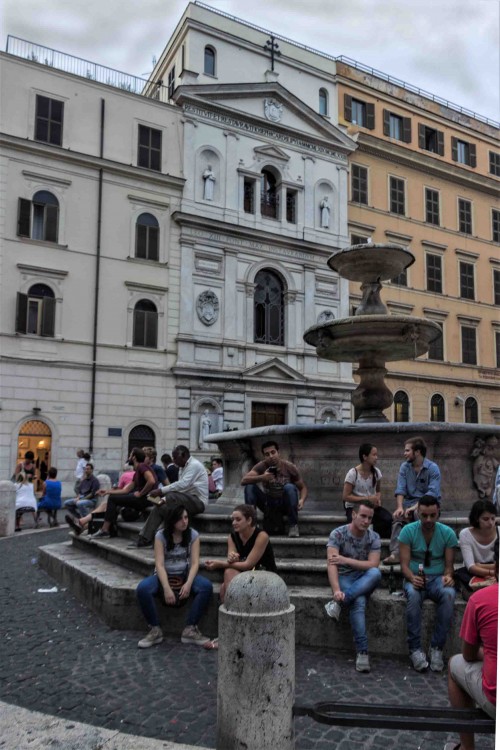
[256,676]
[7,507]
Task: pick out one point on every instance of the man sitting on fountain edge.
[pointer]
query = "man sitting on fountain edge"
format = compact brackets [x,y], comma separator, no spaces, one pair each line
[280,483]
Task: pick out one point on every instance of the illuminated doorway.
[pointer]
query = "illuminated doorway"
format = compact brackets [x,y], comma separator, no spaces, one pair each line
[36,436]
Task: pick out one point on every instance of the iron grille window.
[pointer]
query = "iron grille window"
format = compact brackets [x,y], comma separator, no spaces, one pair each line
[466,280]
[496,286]
[437,408]
[249,196]
[430,139]
[39,218]
[269,310]
[463,152]
[141,435]
[291,206]
[495,225]
[434,273]
[432,206]
[171,82]
[49,120]
[36,311]
[359,184]
[401,407]
[494,163]
[209,62]
[469,353]
[397,195]
[471,411]
[464,216]
[145,324]
[269,197]
[146,237]
[436,348]
[149,154]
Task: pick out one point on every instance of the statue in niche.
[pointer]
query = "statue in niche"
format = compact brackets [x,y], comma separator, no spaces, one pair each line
[485,465]
[209,183]
[205,428]
[325,213]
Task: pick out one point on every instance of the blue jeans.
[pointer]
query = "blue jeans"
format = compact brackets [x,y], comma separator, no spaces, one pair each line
[289,501]
[444,596]
[357,587]
[81,507]
[148,588]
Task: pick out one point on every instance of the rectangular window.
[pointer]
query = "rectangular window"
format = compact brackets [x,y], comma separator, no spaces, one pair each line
[464,216]
[467,280]
[357,239]
[359,112]
[436,348]
[432,206]
[397,127]
[35,314]
[171,82]
[495,225]
[249,196]
[430,139]
[497,347]
[469,354]
[463,152]
[359,184]
[434,273]
[496,286]
[268,414]
[149,152]
[396,196]
[291,206]
[494,163]
[49,120]
[401,279]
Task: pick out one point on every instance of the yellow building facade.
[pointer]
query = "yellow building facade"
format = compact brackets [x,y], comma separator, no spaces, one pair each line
[427,175]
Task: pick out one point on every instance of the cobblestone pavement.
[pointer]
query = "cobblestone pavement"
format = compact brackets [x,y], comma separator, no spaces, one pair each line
[59,658]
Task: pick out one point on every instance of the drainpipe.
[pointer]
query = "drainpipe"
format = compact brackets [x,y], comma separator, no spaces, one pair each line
[96,287]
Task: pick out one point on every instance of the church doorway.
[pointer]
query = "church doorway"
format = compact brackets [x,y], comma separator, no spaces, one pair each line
[264,414]
[36,436]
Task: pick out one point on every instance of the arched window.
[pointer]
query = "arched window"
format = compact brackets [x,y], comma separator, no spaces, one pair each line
[269,196]
[401,407]
[147,233]
[269,313]
[36,311]
[139,436]
[39,218]
[145,324]
[471,411]
[323,102]
[437,408]
[209,61]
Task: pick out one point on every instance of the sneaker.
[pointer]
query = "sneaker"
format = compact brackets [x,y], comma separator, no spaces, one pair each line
[152,638]
[140,544]
[418,660]
[293,532]
[333,609]
[436,657]
[101,535]
[191,634]
[362,662]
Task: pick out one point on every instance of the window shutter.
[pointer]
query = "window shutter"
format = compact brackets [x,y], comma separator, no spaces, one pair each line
[48,316]
[421,135]
[21,312]
[387,117]
[51,221]
[141,241]
[472,155]
[23,218]
[370,116]
[454,149]
[347,107]
[151,330]
[153,243]
[440,142]
[406,129]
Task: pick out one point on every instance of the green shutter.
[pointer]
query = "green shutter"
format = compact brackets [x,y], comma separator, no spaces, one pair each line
[472,155]
[370,116]
[48,316]
[440,142]
[23,218]
[21,312]
[406,129]
[51,221]
[387,117]
[347,107]
[454,148]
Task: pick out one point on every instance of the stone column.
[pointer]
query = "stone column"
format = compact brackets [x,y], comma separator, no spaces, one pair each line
[256,680]
[7,508]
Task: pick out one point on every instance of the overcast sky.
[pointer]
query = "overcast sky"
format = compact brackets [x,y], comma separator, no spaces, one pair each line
[447,47]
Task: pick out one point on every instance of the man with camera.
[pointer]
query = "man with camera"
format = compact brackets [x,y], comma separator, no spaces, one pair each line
[282,489]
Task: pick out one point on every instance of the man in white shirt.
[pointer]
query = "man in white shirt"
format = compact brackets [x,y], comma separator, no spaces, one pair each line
[190,490]
[218,475]
[80,469]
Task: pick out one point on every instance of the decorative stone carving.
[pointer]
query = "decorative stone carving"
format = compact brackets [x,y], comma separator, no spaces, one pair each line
[484,465]
[273,110]
[209,183]
[207,307]
[325,212]
[325,316]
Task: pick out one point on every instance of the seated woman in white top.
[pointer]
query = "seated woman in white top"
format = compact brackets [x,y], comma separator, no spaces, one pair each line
[362,482]
[476,545]
[25,499]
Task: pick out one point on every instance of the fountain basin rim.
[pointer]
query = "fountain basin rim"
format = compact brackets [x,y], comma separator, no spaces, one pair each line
[371,262]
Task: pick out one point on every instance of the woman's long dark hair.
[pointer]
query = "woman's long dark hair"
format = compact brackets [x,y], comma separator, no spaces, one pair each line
[364,450]
[174,515]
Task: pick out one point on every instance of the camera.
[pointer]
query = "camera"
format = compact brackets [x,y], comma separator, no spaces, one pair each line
[273,470]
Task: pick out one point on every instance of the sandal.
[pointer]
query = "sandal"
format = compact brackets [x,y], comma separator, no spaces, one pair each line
[213,644]
[74,524]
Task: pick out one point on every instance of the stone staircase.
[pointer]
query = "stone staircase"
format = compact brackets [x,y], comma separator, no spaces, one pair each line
[104,574]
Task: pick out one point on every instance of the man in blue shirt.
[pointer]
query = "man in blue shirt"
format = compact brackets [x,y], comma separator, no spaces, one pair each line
[426,549]
[417,477]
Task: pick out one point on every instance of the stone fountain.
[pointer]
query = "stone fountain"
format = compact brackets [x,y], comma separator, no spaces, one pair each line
[467,454]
